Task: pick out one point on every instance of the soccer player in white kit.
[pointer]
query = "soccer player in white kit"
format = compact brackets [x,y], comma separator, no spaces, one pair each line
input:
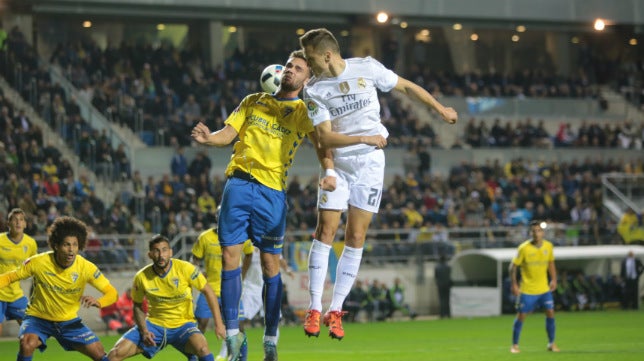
[342,102]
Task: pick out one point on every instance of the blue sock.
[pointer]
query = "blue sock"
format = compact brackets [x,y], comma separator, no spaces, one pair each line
[105,358]
[272,304]
[208,357]
[516,331]
[231,289]
[23,358]
[550,329]
[243,352]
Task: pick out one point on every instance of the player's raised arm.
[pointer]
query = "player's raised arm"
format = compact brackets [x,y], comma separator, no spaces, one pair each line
[415,91]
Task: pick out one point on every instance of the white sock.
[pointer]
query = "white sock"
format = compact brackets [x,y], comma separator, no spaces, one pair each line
[345,276]
[272,339]
[318,266]
[223,351]
[232,332]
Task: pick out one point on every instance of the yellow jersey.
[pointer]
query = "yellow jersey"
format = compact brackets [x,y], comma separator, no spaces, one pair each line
[270,131]
[208,249]
[57,291]
[534,266]
[169,296]
[11,256]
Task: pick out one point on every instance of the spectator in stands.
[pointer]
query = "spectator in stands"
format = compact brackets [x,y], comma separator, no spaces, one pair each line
[179,163]
[357,301]
[631,270]
[397,300]
[563,294]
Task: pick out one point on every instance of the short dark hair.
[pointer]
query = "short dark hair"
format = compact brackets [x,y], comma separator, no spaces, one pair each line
[15,211]
[64,227]
[320,39]
[535,222]
[157,239]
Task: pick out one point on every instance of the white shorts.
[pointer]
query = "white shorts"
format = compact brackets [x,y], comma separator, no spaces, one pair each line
[359,183]
[251,301]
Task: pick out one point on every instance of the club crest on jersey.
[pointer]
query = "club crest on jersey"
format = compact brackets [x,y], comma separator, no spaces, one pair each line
[344,87]
[362,83]
[287,111]
[324,198]
[175,281]
[24,249]
[74,276]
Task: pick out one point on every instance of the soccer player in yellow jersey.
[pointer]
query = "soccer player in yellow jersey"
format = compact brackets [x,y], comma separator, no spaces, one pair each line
[536,260]
[270,128]
[60,277]
[167,284]
[15,247]
[208,250]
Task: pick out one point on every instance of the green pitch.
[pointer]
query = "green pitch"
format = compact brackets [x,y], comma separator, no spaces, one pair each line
[585,336]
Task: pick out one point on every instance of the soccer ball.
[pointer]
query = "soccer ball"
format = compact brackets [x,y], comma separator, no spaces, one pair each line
[271,78]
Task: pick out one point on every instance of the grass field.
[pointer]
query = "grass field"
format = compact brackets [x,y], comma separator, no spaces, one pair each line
[587,336]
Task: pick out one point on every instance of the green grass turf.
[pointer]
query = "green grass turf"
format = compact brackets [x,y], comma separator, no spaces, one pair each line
[587,336]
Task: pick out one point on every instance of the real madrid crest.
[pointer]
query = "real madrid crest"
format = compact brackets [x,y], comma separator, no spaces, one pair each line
[344,87]
[362,83]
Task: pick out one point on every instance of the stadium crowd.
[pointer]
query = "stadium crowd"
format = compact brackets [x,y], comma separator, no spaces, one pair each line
[174,89]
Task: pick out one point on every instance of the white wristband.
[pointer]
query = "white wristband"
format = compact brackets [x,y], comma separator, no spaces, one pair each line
[330,173]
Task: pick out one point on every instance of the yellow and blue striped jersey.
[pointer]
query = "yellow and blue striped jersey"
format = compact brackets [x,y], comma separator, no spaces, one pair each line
[11,256]
[534,263]
[209,250]
[169,296]
[270,131]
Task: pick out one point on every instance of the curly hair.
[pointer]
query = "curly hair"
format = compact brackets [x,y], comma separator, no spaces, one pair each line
[64,227]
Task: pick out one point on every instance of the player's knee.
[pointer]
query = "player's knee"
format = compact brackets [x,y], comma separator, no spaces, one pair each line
[325,234]
[355,238]
[116,354]
[28,344]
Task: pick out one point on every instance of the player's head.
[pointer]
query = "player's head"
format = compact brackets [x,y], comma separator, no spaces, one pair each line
[160,251]
[67,236]
[16,221]
[319,47]
[296,72]
[536,230]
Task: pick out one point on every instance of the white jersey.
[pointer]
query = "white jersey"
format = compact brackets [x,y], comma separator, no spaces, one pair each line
[350,100]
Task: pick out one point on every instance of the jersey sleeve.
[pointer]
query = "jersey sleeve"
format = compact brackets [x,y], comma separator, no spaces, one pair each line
[198,248]
[315,108]
[197,280]
[385,79]
[96,278]
[237,118]
[518,259]
[248,247]
[138,291]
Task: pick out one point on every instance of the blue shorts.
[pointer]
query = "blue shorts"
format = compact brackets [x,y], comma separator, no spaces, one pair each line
[177,337]
[250,210]
[70,334]
[202,310]
[13,310]
[528,303]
